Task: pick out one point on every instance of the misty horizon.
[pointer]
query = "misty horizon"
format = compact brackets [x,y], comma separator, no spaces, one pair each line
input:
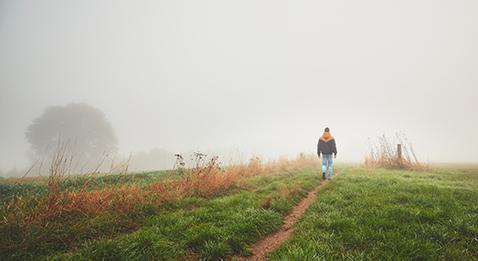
[246,78]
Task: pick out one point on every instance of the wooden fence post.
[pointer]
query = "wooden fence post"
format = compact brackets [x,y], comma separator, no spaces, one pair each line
[399,151]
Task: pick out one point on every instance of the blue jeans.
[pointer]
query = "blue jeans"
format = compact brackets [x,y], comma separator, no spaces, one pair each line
[327,164]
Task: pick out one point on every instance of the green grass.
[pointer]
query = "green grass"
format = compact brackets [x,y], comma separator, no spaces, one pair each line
[66,231]
[218,228]
[39,187]
[390,215]
[197,227]
[361,215]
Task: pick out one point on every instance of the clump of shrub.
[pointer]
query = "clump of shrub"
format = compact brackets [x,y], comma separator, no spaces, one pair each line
[385,154]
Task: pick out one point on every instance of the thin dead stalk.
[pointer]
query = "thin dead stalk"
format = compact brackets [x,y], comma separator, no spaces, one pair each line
[384,154]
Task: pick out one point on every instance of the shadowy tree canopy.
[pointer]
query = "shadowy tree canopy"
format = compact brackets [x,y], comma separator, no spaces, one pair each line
[85,129]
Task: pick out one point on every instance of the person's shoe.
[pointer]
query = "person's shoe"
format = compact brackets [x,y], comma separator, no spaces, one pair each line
[323,175]
[329,177]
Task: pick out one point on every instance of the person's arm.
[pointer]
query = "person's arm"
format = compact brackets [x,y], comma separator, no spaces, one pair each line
[318,149]
[334,147]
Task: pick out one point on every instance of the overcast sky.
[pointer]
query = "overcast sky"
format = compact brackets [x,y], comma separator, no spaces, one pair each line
[261,77]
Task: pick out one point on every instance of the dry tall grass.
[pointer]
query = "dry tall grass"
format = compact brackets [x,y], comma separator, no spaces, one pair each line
[206,178]
[384,154]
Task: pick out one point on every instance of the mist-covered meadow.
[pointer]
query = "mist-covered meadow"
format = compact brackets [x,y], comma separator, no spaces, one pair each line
[238,130]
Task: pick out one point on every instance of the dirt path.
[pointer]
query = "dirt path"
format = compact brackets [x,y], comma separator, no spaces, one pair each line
[271,242]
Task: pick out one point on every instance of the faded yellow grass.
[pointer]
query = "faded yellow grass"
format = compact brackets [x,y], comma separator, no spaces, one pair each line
[205,181]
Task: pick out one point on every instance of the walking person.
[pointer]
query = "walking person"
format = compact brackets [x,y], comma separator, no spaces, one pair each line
[326,146]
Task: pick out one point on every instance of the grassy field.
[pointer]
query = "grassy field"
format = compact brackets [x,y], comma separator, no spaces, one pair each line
[390,215]
[10,187]
[371,214]
[193,226]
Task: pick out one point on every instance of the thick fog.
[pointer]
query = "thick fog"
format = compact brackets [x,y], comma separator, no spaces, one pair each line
[246,78]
